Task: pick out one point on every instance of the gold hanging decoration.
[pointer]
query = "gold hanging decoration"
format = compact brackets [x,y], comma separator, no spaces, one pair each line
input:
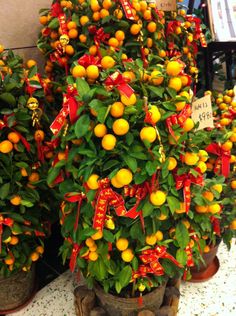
[33,105]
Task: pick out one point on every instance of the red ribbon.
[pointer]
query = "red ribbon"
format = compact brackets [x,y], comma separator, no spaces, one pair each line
[198,30]
[127,9]
[57,12]
[178,119]
[184,181]
[70,107]
[99,36]
[108,197]
[75,251]
[73,198]
[151,257]
[231,113]
[171,26]
[7,222]
[216,225]
[117,81]
[223,157]
[87,60]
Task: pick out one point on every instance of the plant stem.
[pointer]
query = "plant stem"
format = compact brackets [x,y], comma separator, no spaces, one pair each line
[133,289]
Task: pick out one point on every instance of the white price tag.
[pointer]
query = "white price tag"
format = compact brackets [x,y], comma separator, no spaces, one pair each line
[166,5]
[202,112]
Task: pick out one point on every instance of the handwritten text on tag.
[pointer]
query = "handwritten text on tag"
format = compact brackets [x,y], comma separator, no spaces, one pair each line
[202,112]
[166,5]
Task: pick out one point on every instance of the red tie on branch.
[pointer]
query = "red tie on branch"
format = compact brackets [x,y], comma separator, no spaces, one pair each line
[117,81]
[57,12]
[223,158]
[70,107]
[184,181]
[7,222]
[178,119]
[198,30]
[73,198]
[87,60]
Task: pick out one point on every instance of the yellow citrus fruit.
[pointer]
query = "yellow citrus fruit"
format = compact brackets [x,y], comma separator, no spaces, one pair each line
[128,101]
[120,127]
[100,130]
[191,158]
[217,187]
[128,76]
[6,147]
[78,71]
[124,176]
[201,208]
[151,27]
[181,209]
[180,105]
[113,42]
[93,256]
[188,125]
[93,50]
[107,62]
[172,163]
[151,240]
[148,133]
[39,249]
[233,184]
[156,77]
[30,63]
[92,182]
[173,68]
[108,142]
[117,109]
[127,255]
[92,72]
[162,217]
[70,50]
[14,240]
[208,195]
[122,244]
[115,183]
[83,39]
[83,20]
[135,29]
[233,224]
[159,235]
[175,83]
[202,166]
[186,223]
[13,137]
[9,260]
[15,200]
[89,242]
[98,235]
[93,248]
[203,155]
[158,198]
[214,208]
[120,35]
[155,114]
[24,172]
[107,4]
[34,256]
[228,145]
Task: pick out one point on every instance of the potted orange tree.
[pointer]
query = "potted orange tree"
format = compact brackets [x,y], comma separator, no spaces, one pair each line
[128,162]
[23,192]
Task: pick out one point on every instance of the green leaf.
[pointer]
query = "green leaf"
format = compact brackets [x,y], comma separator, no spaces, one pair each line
[8,98]
[26,203]
[54,24]
[52,174]
[82,87]
[131,162]
[173,203]
[118,287]
[125,276]
[181,256]
[135,264]
[172,92]
[108,236]
[4,191]
[147,209]
[99,269]
[82,126]
[110,164]
[157,90]
[182,235]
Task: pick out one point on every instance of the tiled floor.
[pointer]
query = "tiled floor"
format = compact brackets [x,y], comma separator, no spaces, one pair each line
[216,297]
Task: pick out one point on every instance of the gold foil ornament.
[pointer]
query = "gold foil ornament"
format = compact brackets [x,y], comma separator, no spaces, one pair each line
[33,105]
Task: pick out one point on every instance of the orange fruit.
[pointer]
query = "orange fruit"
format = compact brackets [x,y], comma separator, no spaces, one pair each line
[190,159]
[233,184]
[84,19]
[214,208]
[233,224]
[217,187]
[96,16]
[201,208]
[70,50]
[156,77]
[180,105]
[93,256]
[182,208]
[173,68]
[158,198]
[122,244]
[135,29]
[172,163]
[128,101]
[13,137]
[128,76]
[155,114]
[92,182]
[94,4]
[43,19]
[108,142]
[34,256]
[188,125]
[172,140]
[202,166]
[115,183]
[120,127]
[225,121]
[159,235]
[24,172]
[83,38]
[175,83]
[151,240]
[233,138]
[92,72]
[186,223]
[206,249]
[151,27]
[118,14]
[208,195]
[39,135]
[34,177]
[71,25]
[39,249]
[127,255]
[14,240]
[100,130]
[107,4]
[61,155]
[107,62]
[113,42]
[98,235]
[73,33]
[120,35]
[228,145]
[124,176]
[6,147]
[117,109]
[15,200]
[162,217]
[78,71]
[148,133]
[89,242]
[93,50]
[203,155]
[9,260]
[30,63]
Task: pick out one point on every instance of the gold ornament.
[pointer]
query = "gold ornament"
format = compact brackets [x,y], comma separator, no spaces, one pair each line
[64,40]
[33,105]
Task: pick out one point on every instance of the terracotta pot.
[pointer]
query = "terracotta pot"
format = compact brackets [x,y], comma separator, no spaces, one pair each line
[16,290]
[120,306]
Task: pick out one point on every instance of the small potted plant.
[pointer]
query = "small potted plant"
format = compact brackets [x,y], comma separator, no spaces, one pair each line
[23,192]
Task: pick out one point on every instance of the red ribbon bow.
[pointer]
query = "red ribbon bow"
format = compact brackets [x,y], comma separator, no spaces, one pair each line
[178,119]
[223,158]
[70,106]
[184,181]
[198,30]
[117,81]
[7,222]
[87,60]
[57,12]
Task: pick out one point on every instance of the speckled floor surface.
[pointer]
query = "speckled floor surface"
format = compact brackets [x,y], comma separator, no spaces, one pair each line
[216,297]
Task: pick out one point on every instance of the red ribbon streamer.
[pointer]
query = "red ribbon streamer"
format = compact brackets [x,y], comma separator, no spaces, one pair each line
[70,107]
[73,198]
[74,255]
[99,37]
[87,60]
[216,225]
[184,181]
[57,12]
[127,9]
[7,222]
[117,81]
[223,157]
[198,30]
[178,119]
